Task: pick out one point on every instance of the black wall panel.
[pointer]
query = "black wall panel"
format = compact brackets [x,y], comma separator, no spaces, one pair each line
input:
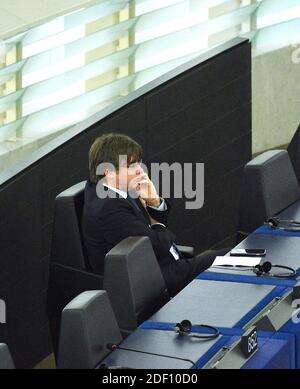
[202,115]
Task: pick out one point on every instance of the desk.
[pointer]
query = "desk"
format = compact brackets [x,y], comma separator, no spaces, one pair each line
[265,230]
[281,250]
[232,301]
[293,328]
[220,304]
[162,342]
[276,351]
[291,213]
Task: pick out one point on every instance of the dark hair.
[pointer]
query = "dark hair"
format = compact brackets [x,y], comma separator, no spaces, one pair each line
[107,148]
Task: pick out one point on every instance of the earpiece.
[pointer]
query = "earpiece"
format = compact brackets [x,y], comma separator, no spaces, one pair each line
[185,328]
[265,268]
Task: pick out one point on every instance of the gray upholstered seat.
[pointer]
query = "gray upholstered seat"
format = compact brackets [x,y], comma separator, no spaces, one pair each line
[270,185]
[6,361]
[134,282]
[88,324]
[69,272]
[67,242]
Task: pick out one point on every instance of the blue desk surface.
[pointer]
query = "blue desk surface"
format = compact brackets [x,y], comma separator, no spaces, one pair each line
[228,303]
[280,250]
[221,304]
[162,342]
[265,230]
[291,213]
[275,351]
[294,328]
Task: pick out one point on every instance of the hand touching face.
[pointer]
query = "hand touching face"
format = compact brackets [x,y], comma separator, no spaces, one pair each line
[144,187]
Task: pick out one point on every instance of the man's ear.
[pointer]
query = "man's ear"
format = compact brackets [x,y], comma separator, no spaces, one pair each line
[111,177]
[110,173]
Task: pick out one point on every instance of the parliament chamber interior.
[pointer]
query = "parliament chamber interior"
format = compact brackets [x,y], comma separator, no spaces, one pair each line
[193,262]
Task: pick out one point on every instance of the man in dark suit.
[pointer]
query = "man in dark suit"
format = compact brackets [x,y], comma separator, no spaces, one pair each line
[123,202]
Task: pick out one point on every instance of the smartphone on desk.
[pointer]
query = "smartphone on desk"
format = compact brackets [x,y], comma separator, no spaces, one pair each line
[248,252]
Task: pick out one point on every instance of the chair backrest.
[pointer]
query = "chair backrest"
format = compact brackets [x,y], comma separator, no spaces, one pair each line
[294,153]
[88,325]
[269,186]
[6,361]
[134,282]
[67,242]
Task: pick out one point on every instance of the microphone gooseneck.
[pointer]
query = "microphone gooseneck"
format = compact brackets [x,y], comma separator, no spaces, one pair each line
[113,347]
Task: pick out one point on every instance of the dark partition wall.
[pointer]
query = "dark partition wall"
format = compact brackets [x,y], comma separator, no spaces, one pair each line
[200,115]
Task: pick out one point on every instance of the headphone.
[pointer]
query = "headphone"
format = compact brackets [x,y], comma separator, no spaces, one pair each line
[185,328]
[274,222]
[264,269]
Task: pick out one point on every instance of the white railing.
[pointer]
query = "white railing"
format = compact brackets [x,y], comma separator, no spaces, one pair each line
[63,71]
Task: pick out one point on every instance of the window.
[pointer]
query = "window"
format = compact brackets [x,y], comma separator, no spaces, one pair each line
[61,72]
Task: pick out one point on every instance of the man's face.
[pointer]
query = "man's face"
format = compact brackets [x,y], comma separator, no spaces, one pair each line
[126,173]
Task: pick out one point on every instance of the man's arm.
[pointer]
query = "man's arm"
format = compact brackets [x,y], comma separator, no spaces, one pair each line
[121,222]
[160,215]
[156,207]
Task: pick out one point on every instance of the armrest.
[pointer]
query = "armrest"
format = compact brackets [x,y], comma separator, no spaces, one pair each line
[186,251]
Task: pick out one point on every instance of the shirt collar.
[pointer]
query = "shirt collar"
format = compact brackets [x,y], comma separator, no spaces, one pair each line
[122,193]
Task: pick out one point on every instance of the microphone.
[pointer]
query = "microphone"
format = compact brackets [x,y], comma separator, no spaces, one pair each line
[113,346]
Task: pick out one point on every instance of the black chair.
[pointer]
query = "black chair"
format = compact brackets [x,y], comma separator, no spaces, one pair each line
[269,186]
[88,324]
[6,361]
[69,273]
[134,282]
[294,153]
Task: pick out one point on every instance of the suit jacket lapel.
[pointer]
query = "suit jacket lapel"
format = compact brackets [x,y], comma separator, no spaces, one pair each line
[138,205]
[135,202]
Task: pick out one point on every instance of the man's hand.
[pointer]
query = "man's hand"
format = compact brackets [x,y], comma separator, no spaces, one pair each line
[144,204]
[146,190]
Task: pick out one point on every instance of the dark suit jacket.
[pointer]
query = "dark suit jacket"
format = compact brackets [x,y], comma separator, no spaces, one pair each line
[107,221]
